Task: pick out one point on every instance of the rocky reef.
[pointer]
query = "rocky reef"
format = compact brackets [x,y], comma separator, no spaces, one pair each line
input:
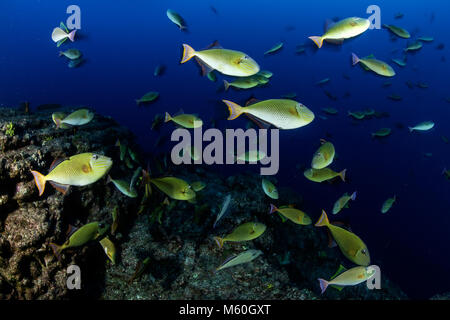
[175,238]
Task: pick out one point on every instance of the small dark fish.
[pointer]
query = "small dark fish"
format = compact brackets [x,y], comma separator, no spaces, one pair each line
[213,9]
[330,95]
[399,15]
[140,268]
[440,46]
[159,70]
[409,84]
[75,63]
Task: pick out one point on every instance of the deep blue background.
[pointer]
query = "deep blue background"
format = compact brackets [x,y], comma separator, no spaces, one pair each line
[123,41]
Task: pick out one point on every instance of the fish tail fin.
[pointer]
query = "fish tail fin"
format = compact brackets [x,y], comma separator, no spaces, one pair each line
[411,129]
[219,242]
[226,85]
[353,197]
[39,179]
[323,220]
[137,101]
[56,250]
[273,208]
[72,35]
[323,285]
[317,40]
[188,53]
[60,54]
[167,118]
[234,108]
[443,171]
[355,59]
[342,174]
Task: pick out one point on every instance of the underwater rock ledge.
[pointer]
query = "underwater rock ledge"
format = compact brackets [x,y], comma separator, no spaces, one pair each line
[28,223]
[177,241]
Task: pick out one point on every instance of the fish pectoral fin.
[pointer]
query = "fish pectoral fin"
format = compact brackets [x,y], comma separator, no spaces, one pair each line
[204,67]
[259,122]
[63,188]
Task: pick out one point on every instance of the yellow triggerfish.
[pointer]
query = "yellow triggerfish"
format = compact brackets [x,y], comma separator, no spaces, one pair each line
[245,232]
[229,62]
[295,215]
[350,277]
[175,188]
[377,66]
[79,170]
[185,120]
[81,236]
[344,29]
[350,244]
[281,113]
[321,175]
[324,155]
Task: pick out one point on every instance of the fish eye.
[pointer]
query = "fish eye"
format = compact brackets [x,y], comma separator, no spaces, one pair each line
[95,157]
[101,225]
[363,251]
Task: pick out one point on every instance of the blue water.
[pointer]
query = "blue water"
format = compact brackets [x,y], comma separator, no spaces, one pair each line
[123,41]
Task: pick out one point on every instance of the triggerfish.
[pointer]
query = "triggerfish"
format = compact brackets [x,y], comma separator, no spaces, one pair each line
[350,244]
[79,170]
[175,188]
[281,113]
[344,29]
[295,215]
[321,175]
[388,204]
[377,66]
[81,236]
[324,156]
[423,126]
[76,118]
[189,121]
[350,277]
[245,232]
[269,189]
[59,34]
[229,62]
[342,202]
[241,258]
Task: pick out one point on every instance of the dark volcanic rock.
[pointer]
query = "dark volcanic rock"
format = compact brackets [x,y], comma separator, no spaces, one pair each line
[28,223]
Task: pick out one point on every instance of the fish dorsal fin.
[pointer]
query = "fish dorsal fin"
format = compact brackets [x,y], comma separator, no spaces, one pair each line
[251,100]
[63,188]
[55,163]
[63,27]
[214,45]
[71,230]
[331,242]
[328,24]
[323,141]
[283,218]
[181,111]
[204,67]
[370,56]
[340,270]
[259,122]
